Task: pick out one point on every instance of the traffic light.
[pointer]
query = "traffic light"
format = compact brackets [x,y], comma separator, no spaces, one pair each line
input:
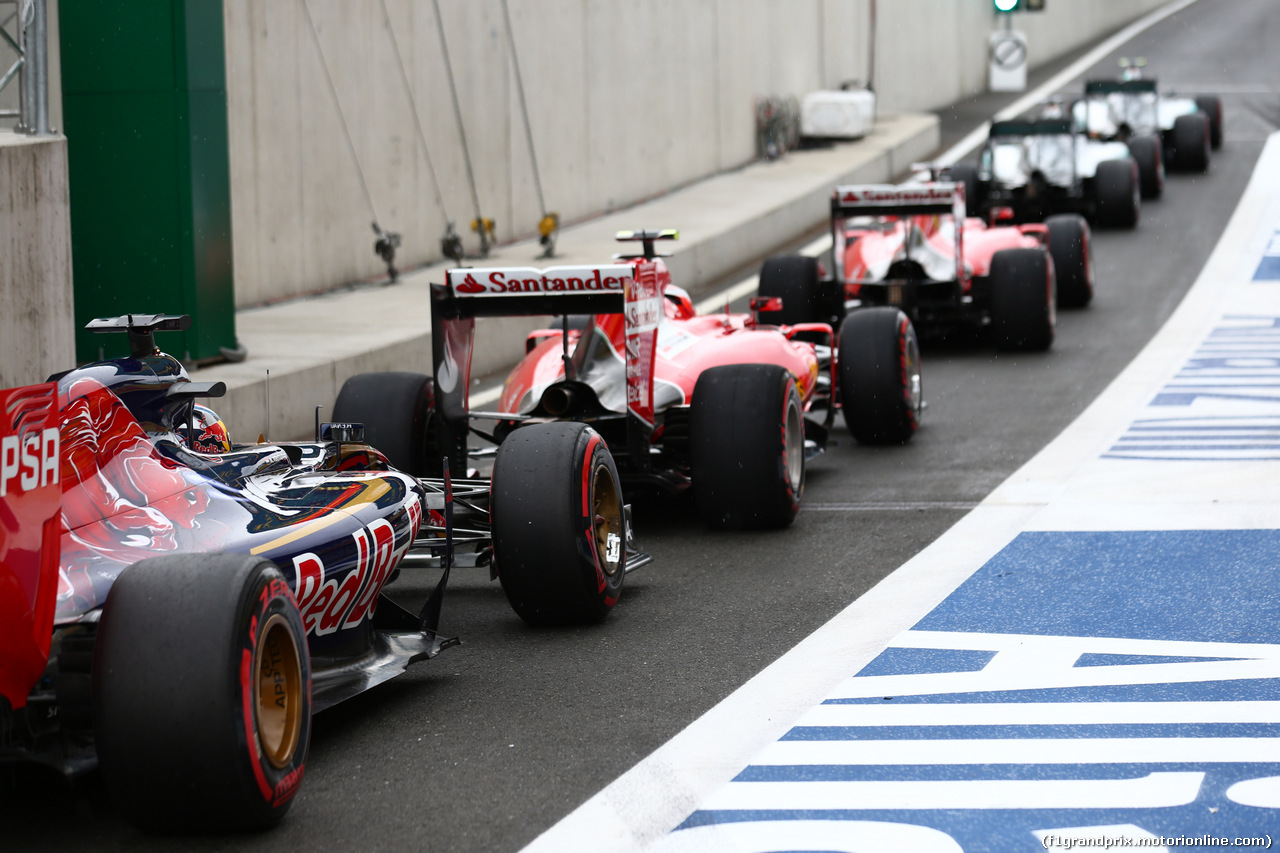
[1006,6]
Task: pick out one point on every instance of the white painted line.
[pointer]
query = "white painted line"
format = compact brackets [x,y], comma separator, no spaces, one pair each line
[979,134]
[1018,750]
[484,397]
[1048,678]
[1155,790]
[717,302]
[1219,88]
[814,835]
[1041,713]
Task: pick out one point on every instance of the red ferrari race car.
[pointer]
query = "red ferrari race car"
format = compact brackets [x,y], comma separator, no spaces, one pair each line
[912,247]
[175,607]
[724,403]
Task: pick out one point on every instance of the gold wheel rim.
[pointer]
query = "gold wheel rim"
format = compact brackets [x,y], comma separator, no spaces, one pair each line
[277,688]
[793,445]
[607,512]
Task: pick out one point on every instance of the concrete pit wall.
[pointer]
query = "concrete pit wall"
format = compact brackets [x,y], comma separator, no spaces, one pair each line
[625,101]
[36,318]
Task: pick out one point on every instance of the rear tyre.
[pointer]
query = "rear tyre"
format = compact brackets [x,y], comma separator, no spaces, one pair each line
[1191,143]
[1072,253]
[559,530]
[202,693]
[746,436]
[1211,106]
[793,278]
[1148,151]
[880,388]
[1022,299]
[967,174]
[1118,193]
[397,410]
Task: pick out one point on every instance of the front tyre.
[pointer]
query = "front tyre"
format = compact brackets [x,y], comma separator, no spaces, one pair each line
[1191,142]
[1072,252]
[967,174]
[746,435]
[794,279]
[202,693]
[398,412]
[1148,152]
[1211,106]
[880,387]
[1118,193]
[559,534]
[1022,299]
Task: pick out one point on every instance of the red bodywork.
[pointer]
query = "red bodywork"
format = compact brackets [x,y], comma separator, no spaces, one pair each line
[686,345]
[869,251]
[29,529]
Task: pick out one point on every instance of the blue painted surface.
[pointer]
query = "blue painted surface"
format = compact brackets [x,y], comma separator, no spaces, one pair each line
[1268,269]
[1201,586]
[1237,364]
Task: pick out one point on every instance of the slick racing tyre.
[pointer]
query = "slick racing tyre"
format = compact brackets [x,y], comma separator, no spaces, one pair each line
[202,693]
[1191,143]
[967,174]
[880,391]
[1148,151]
[1118,193]
[559,529]
[1022,299]
[746,437]
[398,413]
[793,278]
[1211,106]
[1072,253]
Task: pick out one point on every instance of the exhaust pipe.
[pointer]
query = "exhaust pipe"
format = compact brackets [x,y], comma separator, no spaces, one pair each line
[559,400]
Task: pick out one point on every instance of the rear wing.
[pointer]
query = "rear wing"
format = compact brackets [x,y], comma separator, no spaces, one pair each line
[935,198]
[632,290]
[1031,127]
[515,291]
[888,200]
[1127,87]
[30,529]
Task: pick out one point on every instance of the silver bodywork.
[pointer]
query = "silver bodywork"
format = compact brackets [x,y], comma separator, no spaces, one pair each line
[1011,161]
[1142,112]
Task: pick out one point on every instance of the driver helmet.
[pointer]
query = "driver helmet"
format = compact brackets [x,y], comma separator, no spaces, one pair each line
[1053,108]
[208,431]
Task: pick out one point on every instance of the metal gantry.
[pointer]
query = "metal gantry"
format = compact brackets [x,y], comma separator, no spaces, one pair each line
[24,30]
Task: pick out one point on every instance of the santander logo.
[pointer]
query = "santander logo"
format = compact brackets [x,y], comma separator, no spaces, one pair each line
[889,195]
[553,281]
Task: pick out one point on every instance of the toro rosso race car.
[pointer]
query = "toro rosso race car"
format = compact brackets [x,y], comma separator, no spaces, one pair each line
[1181,129]
[912,247]
[175,607]
[722,403]
[1031,169]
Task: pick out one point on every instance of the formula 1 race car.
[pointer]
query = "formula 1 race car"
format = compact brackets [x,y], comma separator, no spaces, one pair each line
[912,247]
[175,607]
[722,403]
[1131,108]
[1031,169]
